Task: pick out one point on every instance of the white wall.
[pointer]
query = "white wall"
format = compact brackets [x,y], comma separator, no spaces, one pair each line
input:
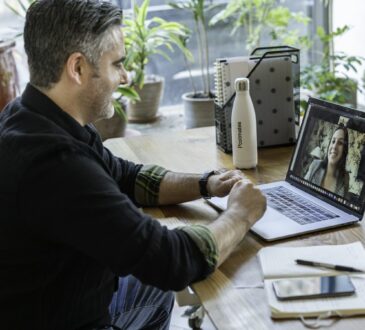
[352,13]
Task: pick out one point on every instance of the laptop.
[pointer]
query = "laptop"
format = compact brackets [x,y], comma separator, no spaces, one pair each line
[309,199]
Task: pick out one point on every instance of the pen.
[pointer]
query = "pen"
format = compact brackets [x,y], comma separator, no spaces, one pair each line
[326,265]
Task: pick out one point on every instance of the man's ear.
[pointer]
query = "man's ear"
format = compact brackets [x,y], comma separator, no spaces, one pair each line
[77,67]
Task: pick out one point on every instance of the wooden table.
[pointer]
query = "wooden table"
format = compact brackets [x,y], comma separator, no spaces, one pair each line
[228,306]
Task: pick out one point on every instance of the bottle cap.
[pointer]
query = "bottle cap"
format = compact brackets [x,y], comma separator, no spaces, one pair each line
[242,84]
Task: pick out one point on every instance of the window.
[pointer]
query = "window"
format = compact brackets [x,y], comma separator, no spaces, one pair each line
[348,13]
[221,44]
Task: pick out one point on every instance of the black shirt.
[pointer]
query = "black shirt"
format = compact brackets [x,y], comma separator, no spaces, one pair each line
[69,223]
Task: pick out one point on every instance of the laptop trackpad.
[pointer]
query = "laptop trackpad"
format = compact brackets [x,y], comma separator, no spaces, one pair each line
[272,221]
[274,224]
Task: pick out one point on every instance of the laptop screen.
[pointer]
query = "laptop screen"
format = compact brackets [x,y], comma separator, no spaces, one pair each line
[329,159]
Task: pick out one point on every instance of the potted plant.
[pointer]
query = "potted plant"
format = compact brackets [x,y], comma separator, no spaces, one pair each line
[144,38]
[329,80]
[259,16]
[198,105]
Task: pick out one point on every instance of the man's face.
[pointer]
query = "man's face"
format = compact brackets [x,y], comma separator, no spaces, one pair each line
[104,80]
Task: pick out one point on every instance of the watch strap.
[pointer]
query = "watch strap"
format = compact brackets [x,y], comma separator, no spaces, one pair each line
[203,184]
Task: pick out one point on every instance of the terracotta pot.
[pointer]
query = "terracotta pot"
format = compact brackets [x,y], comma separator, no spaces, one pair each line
[198,111]
[146,110]
[9,84]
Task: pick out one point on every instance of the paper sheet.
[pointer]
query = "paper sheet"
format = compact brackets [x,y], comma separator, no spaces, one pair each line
[279,262]
[171,223]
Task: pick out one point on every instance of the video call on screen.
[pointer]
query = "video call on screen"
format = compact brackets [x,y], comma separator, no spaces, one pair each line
[324,141]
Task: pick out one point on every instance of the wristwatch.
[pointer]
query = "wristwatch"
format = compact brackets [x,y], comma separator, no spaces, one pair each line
[203,184]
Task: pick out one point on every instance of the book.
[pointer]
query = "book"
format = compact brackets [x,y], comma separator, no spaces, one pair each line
[279,263]
[227,70]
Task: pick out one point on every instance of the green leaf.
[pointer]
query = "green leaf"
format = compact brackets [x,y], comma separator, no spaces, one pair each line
[129,92]
[142,15]
[163,54]
[279,17]
[231,9]
[321,32]
[144,38]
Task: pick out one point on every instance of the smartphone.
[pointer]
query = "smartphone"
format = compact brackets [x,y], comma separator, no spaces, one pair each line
[313,287]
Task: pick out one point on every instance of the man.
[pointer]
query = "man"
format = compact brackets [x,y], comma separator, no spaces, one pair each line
[69,227]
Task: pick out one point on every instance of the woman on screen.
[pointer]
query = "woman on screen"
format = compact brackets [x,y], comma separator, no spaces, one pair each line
[330,173]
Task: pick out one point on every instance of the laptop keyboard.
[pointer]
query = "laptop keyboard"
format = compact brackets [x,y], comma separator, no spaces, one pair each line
[295,206]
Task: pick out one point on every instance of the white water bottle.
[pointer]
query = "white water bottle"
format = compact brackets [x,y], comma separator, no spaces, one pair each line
[244,136]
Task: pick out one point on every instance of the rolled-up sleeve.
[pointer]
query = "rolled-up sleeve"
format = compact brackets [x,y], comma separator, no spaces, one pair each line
[205,241]
[147,184]
[140,182]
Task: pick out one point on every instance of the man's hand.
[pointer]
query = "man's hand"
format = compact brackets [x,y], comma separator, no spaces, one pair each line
[247,201]
[246,205]
[221,184]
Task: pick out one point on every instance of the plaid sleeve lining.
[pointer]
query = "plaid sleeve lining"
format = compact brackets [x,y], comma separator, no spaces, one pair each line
[205,241]
[147,185]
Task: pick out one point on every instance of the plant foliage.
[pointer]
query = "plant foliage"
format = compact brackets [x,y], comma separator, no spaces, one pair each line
[124,93]
[330,80]
[260,16]
[145,37]
[198,9]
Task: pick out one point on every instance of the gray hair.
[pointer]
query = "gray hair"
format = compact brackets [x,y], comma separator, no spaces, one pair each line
[54,29]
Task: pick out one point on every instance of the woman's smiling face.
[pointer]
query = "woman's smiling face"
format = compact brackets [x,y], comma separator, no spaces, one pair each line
[336,147]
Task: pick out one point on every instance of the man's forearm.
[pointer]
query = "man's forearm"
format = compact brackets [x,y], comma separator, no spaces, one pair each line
[246,205]
[178,188]
[228,230]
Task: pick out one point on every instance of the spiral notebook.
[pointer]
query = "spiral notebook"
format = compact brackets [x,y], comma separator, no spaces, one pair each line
[227,71]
